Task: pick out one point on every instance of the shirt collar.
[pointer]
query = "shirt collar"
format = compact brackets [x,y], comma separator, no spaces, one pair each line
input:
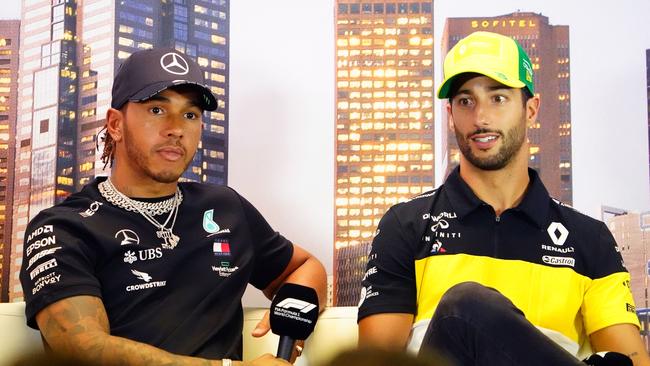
[534,205]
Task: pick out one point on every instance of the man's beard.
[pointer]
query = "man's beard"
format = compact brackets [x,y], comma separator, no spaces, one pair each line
[140,159]
[512,143]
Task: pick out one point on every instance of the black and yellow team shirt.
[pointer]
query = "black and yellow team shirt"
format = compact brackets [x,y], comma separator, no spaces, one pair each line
[560,267]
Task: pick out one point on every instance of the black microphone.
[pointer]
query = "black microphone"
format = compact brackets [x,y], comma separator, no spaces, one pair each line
[294,311]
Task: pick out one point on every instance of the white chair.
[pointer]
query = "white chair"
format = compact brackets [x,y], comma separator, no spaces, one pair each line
[336,330]
[16,338]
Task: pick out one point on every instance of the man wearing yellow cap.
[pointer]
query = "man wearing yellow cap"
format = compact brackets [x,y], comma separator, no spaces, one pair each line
[488,269]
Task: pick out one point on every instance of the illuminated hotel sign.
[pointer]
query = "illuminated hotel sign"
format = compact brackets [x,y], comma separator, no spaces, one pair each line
[504,23]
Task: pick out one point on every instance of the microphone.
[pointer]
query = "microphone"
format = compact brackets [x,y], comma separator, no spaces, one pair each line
[294,311]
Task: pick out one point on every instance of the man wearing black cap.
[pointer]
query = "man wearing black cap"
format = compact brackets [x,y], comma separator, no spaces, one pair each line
[489,269]
[138,269]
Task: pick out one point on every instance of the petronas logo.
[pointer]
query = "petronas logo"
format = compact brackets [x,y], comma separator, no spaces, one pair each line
[208,223]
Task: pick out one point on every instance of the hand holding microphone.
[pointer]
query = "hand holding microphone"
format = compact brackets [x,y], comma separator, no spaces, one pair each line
[294,312]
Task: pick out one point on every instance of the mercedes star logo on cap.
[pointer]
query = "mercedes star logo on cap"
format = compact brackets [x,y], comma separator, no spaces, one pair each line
[173,63]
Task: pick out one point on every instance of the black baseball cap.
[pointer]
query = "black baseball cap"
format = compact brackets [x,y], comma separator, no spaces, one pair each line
[148,72]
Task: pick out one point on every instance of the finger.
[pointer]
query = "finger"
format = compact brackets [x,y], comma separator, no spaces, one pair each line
[297,350]
[262,327]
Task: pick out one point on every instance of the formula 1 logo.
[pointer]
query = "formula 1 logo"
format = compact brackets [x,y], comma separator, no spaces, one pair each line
[291,303]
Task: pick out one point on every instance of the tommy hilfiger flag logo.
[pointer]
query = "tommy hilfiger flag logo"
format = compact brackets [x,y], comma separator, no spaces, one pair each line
[221,248]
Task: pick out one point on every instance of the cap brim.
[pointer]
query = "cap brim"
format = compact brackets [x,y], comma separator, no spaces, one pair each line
[443,90]
[207,101]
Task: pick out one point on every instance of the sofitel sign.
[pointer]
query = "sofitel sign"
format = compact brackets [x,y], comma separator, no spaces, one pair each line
[504,23]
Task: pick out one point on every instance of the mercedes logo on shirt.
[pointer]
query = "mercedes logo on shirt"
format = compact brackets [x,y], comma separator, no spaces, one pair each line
[127,237]
[174,63]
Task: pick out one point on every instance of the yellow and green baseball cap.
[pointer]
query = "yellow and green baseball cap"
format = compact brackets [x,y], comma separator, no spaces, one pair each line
[496,56]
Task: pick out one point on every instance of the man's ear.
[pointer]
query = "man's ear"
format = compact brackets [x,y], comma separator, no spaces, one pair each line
[450,118]
[115,124]
[532,110]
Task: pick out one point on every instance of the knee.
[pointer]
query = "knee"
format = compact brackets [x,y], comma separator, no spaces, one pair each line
[471,297]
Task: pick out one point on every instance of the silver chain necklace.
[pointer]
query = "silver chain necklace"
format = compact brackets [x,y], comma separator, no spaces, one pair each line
[148,210]
[112,195]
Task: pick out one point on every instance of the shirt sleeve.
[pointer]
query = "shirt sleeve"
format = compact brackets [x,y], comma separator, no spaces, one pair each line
[272,250]
[608,299]
[56,264]
[388,285]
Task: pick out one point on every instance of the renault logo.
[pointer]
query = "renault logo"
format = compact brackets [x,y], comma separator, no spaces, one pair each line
[558,233]
[173,63]
[127,237]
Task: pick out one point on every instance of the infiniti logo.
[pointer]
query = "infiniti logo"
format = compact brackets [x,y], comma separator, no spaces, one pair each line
[173,63]
[127,237]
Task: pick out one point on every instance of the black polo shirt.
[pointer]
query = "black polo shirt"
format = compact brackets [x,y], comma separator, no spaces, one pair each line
[560,267]
[185,300]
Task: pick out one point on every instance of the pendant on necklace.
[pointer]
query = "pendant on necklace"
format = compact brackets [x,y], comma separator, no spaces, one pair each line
[171,239]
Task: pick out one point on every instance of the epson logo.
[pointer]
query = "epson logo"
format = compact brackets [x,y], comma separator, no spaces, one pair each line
[38,244]
[291,303]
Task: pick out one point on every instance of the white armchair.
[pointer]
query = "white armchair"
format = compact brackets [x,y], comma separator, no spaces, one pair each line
[336,330]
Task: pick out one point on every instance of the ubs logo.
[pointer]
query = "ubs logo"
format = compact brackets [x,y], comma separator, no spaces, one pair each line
[127,237]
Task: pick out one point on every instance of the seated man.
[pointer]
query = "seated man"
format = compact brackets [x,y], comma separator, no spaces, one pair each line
[488,269]
[139,269]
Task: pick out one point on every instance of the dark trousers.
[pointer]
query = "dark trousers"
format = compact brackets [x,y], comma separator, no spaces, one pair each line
[477,325]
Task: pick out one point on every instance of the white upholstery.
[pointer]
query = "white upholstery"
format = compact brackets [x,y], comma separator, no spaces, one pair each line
[16,338]
[336,330]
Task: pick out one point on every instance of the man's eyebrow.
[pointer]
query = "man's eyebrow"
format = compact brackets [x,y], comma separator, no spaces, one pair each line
[499,87]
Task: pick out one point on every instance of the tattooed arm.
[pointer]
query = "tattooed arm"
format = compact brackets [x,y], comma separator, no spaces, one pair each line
[622,338]
[78,327]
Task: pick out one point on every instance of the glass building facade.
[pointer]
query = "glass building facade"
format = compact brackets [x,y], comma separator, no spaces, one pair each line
[548,48]
[71,53]
[384,123]
[47,114]
[9,48]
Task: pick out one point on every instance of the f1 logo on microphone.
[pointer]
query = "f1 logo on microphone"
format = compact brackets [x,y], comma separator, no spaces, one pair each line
[291,303]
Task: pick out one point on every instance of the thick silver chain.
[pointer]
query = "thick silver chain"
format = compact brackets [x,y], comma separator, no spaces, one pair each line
[112,195]
[119,199]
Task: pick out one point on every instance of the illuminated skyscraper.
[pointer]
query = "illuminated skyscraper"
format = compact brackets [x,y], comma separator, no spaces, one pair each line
[9,44]
[548,48]
[112,30]
[384,123]
[47,108]
[632,234]
[71,53]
